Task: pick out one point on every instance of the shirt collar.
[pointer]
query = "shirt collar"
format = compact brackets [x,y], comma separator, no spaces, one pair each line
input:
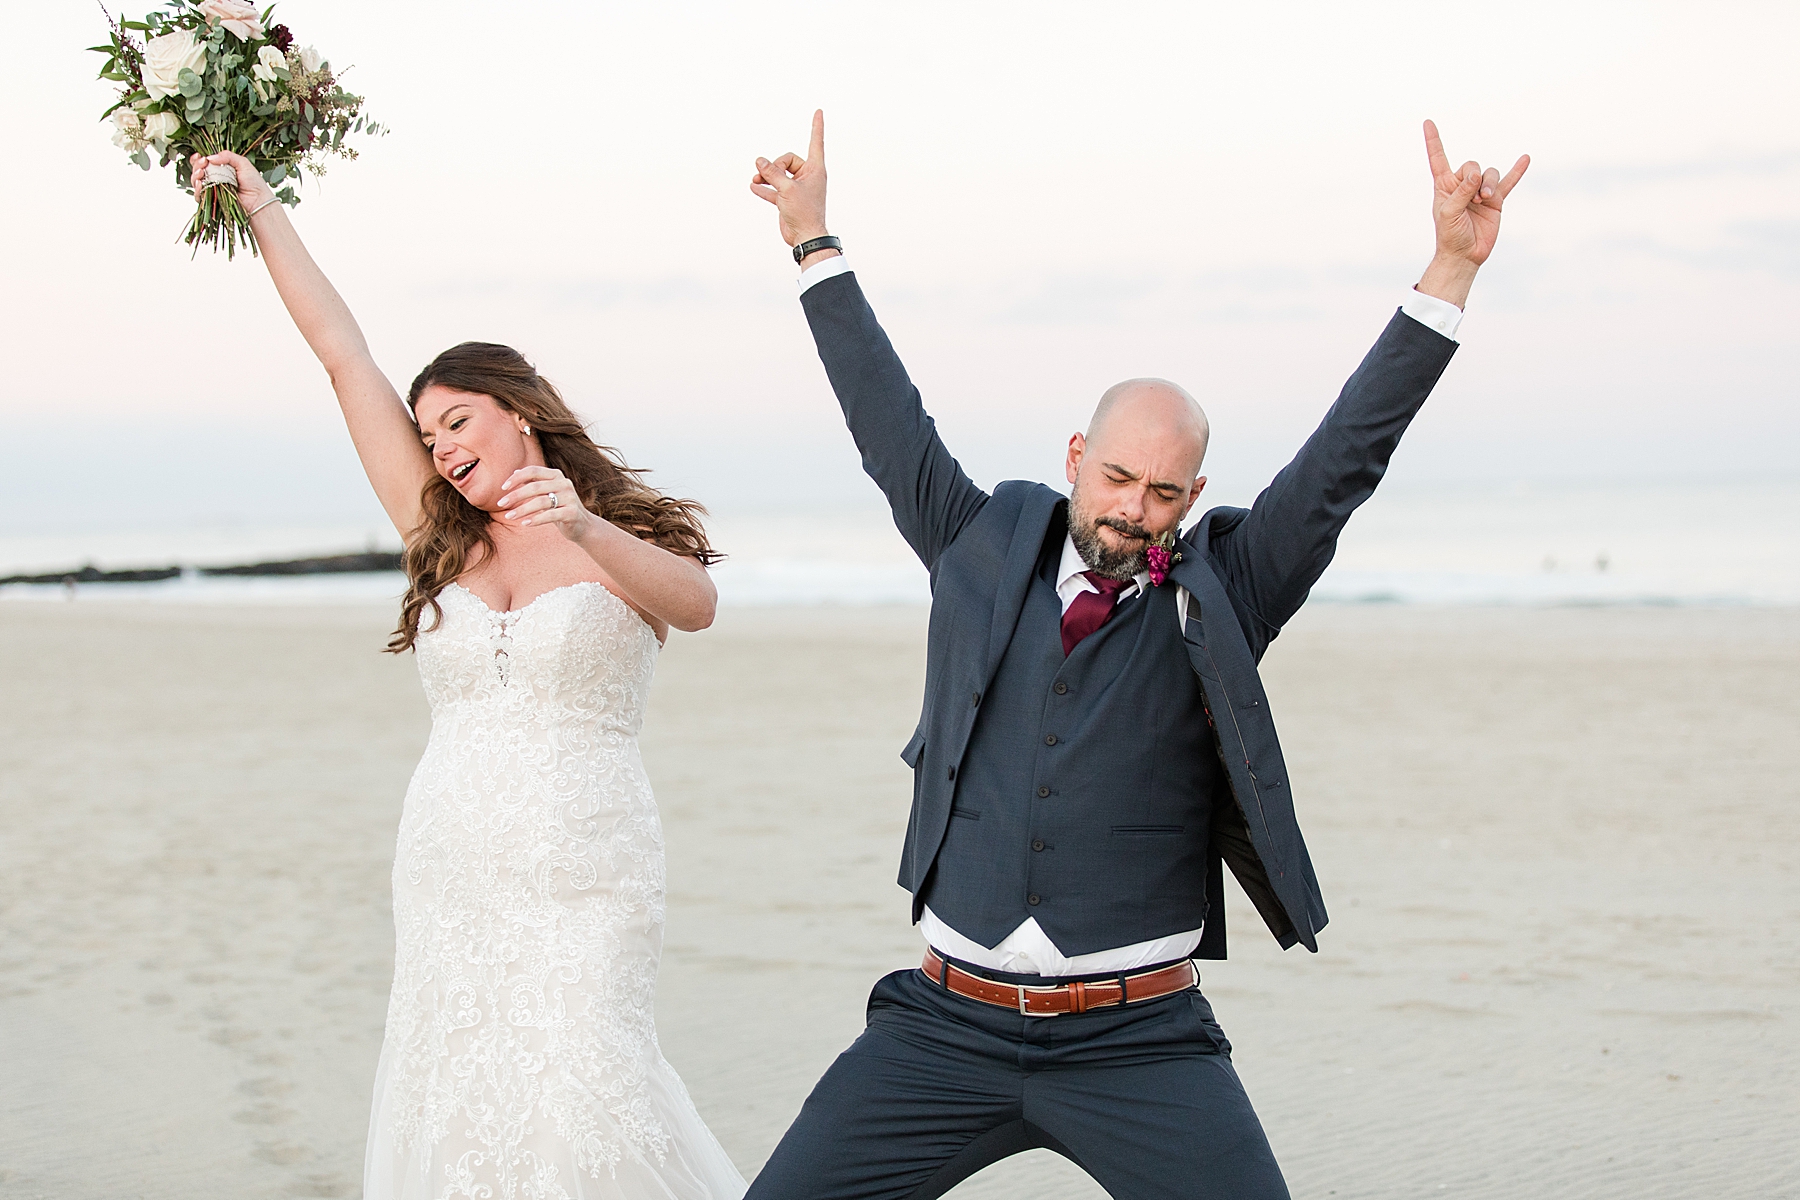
[1071,581]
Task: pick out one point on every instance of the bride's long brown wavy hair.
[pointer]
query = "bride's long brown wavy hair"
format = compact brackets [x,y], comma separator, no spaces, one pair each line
[450,528]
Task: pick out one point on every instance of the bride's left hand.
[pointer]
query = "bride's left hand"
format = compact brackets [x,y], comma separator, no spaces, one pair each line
[544,496]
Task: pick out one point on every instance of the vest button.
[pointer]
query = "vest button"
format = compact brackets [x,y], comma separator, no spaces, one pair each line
[1042,792]
[1061,689]
[1032,899]
[975,698]
[953,772]
[1050,740]
[1037,843]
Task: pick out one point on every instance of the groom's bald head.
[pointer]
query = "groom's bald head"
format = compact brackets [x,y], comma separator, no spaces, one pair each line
[1151,410]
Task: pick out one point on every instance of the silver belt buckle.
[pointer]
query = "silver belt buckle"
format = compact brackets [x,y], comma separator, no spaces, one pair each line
[1023,990]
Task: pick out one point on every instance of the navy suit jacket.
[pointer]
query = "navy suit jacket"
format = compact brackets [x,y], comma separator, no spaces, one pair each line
[1247,572]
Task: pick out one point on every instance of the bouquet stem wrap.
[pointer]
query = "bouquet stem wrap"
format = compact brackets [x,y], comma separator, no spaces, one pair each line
[219,219]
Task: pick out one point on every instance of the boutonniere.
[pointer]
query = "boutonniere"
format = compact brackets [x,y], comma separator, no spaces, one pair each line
[1161,556]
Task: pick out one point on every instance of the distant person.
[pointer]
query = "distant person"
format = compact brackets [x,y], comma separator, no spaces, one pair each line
[521,1055]
[1095,742]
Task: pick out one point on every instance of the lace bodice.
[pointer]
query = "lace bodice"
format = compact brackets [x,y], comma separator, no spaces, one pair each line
[521,1060]
[576,653]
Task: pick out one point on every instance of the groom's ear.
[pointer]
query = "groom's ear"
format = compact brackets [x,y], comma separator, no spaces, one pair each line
[1194,495]
[1072,464]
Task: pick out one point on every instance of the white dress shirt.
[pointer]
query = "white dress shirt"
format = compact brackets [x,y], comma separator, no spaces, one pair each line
[1028,950]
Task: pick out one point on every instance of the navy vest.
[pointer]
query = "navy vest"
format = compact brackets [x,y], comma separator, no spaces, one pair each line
[1085,795]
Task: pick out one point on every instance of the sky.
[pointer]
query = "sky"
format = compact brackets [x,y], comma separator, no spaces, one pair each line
[1040,199]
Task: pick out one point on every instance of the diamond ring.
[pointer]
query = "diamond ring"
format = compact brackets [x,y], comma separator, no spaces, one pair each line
[552,499]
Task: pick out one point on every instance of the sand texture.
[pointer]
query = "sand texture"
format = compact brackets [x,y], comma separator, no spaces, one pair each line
[1561,849]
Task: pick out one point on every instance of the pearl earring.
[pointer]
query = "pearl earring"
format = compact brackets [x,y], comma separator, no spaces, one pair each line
[525,429]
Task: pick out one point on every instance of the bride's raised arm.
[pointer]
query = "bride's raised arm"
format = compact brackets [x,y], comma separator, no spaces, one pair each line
[396,461]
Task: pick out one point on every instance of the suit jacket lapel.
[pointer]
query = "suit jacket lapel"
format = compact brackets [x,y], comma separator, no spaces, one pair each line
[1015,576]
[1202,585]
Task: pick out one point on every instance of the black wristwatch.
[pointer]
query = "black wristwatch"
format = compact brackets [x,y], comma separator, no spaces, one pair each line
[817,244]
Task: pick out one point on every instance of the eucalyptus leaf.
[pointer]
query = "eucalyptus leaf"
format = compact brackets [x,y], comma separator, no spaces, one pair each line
[141,159]
[188,83]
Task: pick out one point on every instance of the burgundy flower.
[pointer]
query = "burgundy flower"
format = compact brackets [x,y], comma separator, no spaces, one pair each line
[282,37]
[1160,560]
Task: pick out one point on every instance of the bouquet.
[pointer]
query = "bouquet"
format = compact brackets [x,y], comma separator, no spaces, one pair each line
[214,75]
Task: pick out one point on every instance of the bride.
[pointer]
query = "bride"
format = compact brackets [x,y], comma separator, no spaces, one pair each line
[520,1061]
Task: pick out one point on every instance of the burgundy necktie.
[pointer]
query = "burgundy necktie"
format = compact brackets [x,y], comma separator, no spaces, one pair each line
[1089,610]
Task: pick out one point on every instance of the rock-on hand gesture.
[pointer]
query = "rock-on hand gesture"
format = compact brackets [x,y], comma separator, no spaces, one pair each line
[796,187]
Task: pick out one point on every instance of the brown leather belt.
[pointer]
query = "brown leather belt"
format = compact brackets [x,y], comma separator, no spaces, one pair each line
[1061,998]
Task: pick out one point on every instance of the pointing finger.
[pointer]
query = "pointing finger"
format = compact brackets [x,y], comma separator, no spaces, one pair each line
[1513,176]
[815,150]
[1434,150]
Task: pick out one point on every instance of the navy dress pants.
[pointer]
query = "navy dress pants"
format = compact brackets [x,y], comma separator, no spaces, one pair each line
[1143,1098]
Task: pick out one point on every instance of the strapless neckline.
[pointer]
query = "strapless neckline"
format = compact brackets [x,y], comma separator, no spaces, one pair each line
[526,607]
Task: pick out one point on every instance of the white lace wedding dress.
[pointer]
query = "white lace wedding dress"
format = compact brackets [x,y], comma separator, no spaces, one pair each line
[521,1060]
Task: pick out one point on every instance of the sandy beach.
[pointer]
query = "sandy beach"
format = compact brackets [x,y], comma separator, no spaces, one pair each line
[1561,848]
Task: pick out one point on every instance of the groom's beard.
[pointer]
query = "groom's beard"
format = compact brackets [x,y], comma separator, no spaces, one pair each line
[1124,563]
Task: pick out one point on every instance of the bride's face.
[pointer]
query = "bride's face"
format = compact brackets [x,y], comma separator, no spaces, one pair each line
[474,443]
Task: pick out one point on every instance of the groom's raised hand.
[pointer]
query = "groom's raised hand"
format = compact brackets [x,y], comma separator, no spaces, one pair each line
[1465,208]
[796,187]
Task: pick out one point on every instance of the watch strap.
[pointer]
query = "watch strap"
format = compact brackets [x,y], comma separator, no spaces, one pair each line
[814,245]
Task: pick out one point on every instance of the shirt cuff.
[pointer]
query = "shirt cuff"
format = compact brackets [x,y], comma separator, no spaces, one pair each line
[837,264]
[1440,316]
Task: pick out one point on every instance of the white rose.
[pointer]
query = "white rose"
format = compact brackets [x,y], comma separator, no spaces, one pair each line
[161,127]
[268,60]
[166,57]
[128,134]
[310,60]
[240,18]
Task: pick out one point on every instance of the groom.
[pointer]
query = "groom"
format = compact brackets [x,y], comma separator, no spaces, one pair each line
[1095,745]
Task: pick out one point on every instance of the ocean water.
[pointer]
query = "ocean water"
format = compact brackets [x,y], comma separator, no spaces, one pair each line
[1689,543]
